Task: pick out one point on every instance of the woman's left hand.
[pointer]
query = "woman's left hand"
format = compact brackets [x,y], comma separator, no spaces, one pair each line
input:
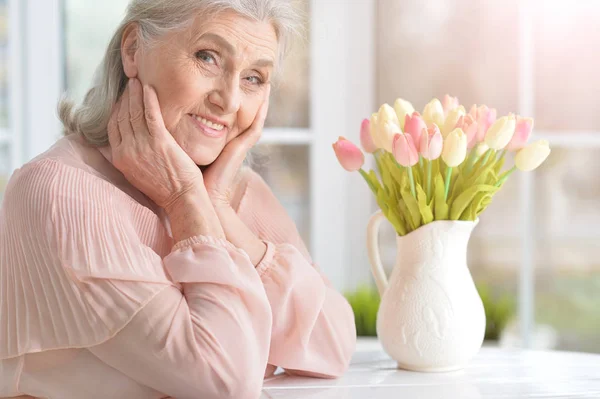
[219,177]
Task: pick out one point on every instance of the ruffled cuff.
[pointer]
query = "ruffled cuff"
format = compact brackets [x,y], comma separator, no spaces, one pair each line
[267,261]
[202,259]
[188,242]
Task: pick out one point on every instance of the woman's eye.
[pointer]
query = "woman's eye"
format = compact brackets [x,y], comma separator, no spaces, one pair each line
[255,80]
[206,57]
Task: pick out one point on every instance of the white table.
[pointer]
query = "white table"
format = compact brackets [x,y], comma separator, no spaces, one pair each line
[494,373]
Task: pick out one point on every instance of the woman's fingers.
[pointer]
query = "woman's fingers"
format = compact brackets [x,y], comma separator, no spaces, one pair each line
[123,119]
[136,108]
[153,116]
[252,135]
[114,136]
[234,153]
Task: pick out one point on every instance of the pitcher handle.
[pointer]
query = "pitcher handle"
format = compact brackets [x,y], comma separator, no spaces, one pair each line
[373,250]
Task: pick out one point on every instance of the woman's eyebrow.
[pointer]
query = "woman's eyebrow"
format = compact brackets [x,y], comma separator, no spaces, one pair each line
[220,40]
[230,48]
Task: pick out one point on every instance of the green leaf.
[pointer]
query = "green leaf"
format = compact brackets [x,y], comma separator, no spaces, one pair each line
[484,204]
[367,178]
[471,212]
[374,180]
[424,207]
[396,221]
[440,205]
[466,197]
[499,163]
[412,205]
[408,222]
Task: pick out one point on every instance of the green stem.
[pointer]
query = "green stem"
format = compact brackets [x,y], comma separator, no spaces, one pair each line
[448,176]
[421,165]
[367,179]
[505,176]
[429,180]
[488,154]
[471,160]
[412,181]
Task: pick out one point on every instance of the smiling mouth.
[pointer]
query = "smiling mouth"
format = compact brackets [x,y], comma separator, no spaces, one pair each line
[216,126]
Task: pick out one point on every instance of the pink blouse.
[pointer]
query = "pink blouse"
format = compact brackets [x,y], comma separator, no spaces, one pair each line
[97,301]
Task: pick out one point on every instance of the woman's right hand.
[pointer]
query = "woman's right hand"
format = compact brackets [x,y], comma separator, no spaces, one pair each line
[144,150]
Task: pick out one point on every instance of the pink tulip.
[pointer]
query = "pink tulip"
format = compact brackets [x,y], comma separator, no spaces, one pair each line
[350,156]
[485,118]
[366,141]
[414,125]
[522,131]
[449,103]
[432,143]
[469,126]
[473,111]
[404,150]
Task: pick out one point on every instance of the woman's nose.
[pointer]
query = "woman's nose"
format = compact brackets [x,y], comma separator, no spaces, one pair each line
[226,97]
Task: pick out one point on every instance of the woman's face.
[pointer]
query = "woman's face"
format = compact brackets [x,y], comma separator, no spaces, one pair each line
[210,79]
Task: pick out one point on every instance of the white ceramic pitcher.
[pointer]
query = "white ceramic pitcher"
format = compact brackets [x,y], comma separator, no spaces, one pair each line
[431,317]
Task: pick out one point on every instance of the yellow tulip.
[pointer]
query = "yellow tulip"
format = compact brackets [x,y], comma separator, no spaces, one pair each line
[455,148]
[386,135]
[388,126]
[375,130]
[500,133]
[481,149]
[403,108]
[452,119]
[530,157]
[434,113]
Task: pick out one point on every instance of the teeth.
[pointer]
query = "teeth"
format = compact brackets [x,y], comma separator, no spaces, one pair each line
[208,123]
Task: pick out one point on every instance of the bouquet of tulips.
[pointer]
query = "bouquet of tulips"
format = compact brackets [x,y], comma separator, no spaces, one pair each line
[445,164]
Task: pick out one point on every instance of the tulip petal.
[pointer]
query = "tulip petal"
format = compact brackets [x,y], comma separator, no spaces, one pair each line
[414,126]
[350,156]
[449,103]
[455,148]
[404,150]
[434,113]
[366,140]
[523,129]
[431,143]
[403,108]
[500,133]
[532,156]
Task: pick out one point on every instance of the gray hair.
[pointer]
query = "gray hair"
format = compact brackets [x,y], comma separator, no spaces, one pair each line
[156,18]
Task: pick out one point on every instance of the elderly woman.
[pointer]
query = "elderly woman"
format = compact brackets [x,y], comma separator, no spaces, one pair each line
[138,259]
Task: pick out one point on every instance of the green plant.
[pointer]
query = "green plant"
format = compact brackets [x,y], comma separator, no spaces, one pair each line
[365,304]
[499,310]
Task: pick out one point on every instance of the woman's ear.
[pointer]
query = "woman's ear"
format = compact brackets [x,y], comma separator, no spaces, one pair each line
[129,49]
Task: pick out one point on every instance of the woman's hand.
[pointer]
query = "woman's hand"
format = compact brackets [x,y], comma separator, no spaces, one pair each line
[219,177]
[145,152]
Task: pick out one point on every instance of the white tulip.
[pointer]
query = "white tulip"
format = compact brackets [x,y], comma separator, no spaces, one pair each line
[530,157]
[403,108]
[455,148]
[434,113]
[501,132]
[452,119]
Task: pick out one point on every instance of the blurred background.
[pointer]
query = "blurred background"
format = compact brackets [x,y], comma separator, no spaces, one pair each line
[534,256]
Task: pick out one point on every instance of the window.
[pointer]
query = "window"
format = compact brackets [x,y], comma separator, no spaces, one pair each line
[10,99]
[537,239]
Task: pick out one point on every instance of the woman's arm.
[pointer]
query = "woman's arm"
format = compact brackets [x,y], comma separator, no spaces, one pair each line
[209,340]
[91,273]
[313,325]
